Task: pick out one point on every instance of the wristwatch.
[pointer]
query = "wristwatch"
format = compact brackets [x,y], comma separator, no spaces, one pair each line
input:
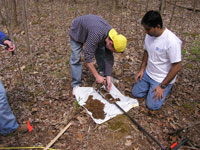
[162,86]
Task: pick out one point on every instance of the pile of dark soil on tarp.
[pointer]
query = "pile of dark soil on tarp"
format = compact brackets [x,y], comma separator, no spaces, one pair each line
[108,96]
[95,107]
[110,99]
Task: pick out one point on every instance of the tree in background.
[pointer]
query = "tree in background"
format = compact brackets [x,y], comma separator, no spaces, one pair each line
[11,12]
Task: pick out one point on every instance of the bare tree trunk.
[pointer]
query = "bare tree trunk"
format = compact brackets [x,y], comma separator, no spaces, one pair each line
[125,5]
[111,11]
[12,15]
[63,21]
[136,27]
[2,19]
[102,7]
[7,17]
[97,6]
[193,17]
[140,40]
[182,23]
[194,5]
[115,5]
[74,3]
[121,16]
[52,1]
[87,6]
[97,2]
[36,2]
[147,5]
[161,8]
[172,15]
[24,14]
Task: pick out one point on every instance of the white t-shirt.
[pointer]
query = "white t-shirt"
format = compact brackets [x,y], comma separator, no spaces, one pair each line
[162,52]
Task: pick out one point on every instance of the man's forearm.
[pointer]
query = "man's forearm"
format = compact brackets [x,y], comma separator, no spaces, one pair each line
[3,39]
[144,60]
[92,69]
[172,73]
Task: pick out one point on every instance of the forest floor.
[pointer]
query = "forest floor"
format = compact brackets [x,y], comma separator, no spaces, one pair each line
[38,82]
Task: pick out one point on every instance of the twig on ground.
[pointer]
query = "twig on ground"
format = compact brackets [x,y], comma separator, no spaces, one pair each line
[188,147]
[70,122]
[184,128]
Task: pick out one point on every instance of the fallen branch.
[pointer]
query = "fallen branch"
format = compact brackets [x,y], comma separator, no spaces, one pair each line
[70,122]
[184,128]
[188,147]
[59,134]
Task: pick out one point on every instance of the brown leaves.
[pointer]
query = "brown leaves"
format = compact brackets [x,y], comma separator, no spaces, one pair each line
[80,136]
[49,101]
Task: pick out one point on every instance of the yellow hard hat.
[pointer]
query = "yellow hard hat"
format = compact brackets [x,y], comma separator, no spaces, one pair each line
[119,41]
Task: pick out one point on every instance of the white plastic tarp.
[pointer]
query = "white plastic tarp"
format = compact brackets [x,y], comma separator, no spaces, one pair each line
[126,103]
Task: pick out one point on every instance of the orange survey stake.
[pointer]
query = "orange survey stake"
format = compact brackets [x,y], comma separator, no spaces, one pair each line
[29,126]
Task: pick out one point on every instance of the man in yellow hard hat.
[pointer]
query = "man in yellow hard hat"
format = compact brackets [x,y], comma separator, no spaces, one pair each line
[100,40]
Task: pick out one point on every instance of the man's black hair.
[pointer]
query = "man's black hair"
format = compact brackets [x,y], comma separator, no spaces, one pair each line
[152,19]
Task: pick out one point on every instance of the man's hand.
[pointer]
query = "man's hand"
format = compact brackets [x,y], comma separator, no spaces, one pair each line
[143,66]
[100,79]
[158,93]
[11,46]
[139,75]
[108,83]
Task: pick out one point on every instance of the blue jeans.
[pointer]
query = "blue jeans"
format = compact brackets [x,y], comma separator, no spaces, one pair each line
[8,122]
[144,87]
[75,61]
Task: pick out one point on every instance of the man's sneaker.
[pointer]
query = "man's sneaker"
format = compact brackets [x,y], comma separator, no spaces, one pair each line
[21,129]
[74,88]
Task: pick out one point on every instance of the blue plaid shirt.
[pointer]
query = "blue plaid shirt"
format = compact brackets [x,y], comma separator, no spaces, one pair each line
[3,37]
[92,30]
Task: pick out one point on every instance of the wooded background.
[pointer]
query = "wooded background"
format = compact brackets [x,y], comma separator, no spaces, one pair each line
[38,75]
[27,20]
